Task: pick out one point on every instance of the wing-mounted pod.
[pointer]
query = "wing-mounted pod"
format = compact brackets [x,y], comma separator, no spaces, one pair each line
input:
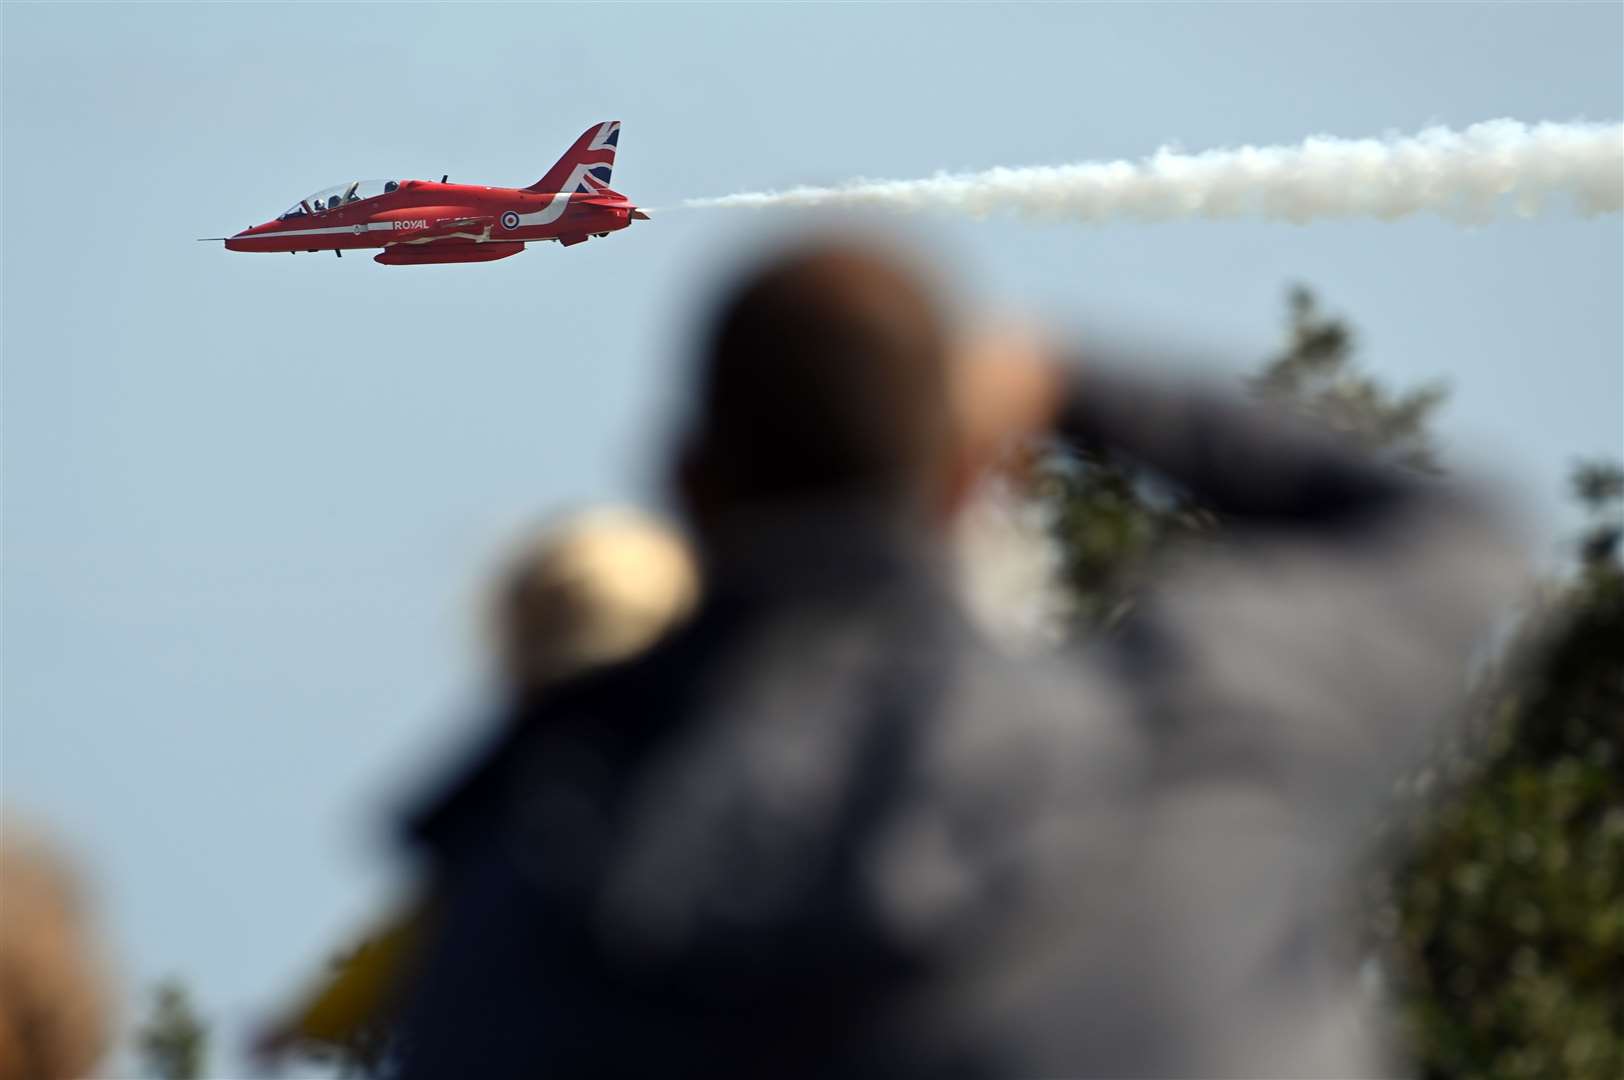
[462,252]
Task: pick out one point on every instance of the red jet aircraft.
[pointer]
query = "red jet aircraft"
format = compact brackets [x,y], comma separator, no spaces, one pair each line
[420,221]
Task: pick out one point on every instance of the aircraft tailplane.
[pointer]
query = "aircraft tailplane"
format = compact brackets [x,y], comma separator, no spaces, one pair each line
[585,168]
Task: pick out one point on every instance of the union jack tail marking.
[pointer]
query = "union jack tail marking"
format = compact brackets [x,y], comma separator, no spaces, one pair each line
[586,166]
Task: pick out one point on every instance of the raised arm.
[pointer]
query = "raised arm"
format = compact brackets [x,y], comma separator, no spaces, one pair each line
[1237,456]
[1325,634]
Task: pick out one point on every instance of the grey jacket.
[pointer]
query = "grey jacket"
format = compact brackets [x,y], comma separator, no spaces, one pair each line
[826,830]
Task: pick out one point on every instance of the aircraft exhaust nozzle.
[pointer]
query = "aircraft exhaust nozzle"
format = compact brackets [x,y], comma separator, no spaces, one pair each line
[639,215]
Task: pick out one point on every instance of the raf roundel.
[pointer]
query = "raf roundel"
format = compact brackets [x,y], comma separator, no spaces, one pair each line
[510,220]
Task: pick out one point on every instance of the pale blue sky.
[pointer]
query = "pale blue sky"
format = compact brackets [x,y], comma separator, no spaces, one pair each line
[249,499]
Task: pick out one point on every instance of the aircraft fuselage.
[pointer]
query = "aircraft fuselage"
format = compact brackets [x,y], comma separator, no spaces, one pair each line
[422,212]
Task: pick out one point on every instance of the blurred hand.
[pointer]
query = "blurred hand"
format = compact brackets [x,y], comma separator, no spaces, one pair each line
[1007,390]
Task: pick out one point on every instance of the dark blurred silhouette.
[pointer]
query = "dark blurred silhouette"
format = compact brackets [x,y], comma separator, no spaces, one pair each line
[825,830]
[54,999]
[591,588]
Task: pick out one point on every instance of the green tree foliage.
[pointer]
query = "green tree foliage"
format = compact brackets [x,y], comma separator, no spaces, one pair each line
[174,1041]
[1111,518]
[1508,946]
[1314,376]
[1499,908]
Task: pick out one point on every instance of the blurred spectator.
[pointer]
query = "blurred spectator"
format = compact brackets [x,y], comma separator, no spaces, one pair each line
[593,588]
[825,830]
[54,1001]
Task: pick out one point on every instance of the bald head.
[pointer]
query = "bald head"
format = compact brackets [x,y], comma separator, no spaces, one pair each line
[823,373]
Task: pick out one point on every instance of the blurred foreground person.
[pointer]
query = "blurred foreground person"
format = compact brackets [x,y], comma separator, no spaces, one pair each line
[597,587]
[825,830]
[53,998]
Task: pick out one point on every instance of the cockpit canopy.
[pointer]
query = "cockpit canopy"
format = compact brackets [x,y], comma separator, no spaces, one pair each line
[340,195]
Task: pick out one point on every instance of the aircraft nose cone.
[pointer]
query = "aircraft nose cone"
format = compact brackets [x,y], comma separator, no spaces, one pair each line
[238,241]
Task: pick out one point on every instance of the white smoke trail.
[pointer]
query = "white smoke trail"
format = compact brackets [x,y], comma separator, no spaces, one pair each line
[1469,176]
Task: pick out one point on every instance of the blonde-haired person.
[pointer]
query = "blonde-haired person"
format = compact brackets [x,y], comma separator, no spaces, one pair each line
[594,588]
[587,590]
[53,992]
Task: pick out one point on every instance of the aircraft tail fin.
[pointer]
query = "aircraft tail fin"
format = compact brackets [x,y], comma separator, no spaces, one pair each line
[586,166]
